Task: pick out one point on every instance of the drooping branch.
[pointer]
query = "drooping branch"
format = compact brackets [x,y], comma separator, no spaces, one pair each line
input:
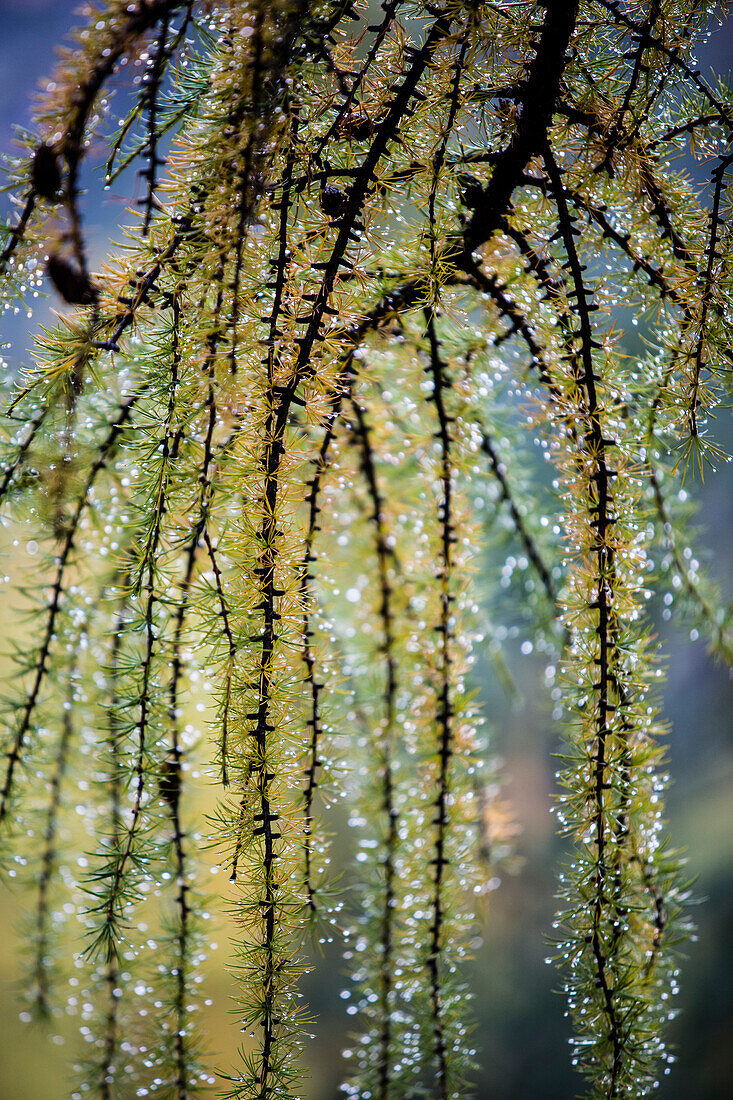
[105,451]
[386,752]
[48,859]
[445,708]
[520,526]
[601,521]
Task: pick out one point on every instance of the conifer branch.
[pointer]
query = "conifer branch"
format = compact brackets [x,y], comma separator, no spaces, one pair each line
[111,898]
[170,788]
[601,521]
[315,484]
[151,92]
[538,97]
[698,354]
[520,526]
[110,1038]
[48,860]
[437,371]
[140,17]
[15,464]
[106,449]
[719,628]
[386,748]
[652,41]
[16,232]
[637,69]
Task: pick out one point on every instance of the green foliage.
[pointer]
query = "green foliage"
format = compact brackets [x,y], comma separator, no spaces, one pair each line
[378,268]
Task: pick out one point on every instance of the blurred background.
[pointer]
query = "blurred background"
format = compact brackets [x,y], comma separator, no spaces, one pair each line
[521,1034]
